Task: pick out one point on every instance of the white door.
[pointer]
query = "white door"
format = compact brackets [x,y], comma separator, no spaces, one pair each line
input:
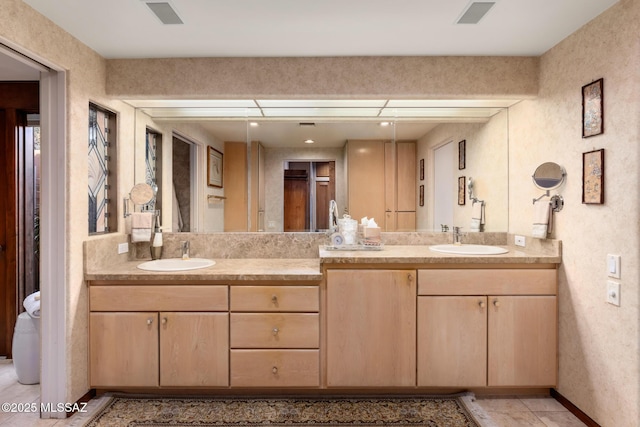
[444,186]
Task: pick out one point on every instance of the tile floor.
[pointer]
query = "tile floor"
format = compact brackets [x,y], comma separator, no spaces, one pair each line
[504,412]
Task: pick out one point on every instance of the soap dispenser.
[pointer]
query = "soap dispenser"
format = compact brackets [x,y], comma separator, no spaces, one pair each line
[156,240]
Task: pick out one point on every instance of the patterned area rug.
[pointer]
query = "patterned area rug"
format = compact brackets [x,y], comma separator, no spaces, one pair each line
[399,411]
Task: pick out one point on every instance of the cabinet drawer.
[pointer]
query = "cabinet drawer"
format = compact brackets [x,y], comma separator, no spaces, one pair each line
[274,298]
[487,282]
[275,368]
[158,298]
[271,330]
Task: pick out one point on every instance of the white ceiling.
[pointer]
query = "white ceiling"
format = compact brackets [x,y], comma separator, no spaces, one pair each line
[128,29]
[240,28]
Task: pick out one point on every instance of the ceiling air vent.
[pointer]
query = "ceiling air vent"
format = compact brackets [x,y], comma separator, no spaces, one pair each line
[165,12]
[475,12]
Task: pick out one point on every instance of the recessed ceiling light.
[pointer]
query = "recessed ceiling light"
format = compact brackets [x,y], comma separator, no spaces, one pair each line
[309,141]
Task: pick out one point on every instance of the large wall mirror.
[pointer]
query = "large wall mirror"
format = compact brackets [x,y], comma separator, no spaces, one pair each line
[288,181]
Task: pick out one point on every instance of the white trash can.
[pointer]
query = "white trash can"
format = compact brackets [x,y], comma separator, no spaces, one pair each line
[26,349]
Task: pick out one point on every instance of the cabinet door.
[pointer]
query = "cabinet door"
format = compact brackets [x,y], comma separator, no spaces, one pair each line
[123,349]
[406,176]
[522,341]
[194,349]
[366,179]
[371,328]
[452,341]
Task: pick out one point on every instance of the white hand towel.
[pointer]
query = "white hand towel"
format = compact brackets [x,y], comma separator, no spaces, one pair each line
[32,304]
[477,217]
[541,218]
[141,223]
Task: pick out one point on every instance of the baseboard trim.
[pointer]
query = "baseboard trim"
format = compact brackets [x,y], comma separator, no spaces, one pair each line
[573,409]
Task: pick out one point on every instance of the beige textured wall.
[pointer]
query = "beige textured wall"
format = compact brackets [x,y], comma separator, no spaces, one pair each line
[599,347]
[487,149]
[342,77]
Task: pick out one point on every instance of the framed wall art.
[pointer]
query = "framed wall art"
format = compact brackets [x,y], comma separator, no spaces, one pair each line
[461,191]
[214,167]
[421,169]
[462,148]
[421,195]
[593,177]
[592,109]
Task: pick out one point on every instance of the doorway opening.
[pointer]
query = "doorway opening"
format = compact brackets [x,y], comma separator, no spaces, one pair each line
[182,173]
[309,186]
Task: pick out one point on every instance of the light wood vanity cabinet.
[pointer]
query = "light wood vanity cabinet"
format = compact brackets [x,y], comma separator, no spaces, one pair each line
[488,327]
[275,336]
[371,328]
[150,336]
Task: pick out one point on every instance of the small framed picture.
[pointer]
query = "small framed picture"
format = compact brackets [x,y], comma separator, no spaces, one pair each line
[422,195]
[593,177]
[462,162]
[214,167]
[421,169]
[461,191]
[592,109]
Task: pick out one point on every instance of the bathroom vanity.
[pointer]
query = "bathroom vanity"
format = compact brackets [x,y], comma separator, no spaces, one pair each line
[404,318]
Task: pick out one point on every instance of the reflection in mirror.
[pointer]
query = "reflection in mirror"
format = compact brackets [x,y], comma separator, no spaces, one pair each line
[153,173]
[548,176]
[272,144]
[141,194]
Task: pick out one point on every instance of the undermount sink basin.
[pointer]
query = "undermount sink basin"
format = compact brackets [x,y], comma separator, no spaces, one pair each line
[469,249]
[176,264]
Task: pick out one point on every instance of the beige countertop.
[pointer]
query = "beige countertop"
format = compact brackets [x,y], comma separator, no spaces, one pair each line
[310,270]
[261,269]
[421,254]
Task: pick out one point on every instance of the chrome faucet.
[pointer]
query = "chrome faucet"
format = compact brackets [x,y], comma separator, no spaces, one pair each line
[457,235]
[185,249]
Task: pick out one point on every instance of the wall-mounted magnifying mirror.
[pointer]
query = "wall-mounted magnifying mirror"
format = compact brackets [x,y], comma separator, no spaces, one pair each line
[141,194]
[548,176]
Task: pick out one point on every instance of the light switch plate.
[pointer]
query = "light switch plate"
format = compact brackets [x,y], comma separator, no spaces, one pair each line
[123,248]
[519,241]
[613,293]
[613,266]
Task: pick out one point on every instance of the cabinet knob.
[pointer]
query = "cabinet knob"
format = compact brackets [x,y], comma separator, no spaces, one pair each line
[164,320]
[274,370]
[496,303]
[410,277]
[274,299]
[149,321]
[481,304]
[275,331]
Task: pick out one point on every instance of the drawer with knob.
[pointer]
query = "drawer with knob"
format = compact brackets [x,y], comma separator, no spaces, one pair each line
[275,368]
[275,330]
[275,298]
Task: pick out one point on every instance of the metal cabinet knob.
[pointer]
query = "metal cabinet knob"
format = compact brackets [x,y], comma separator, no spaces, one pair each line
[274,299]
[275,331]
[164,320]
[149,321]
[496,303]
[481,304]
[274,370]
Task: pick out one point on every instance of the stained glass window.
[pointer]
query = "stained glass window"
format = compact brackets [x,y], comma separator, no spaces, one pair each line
[101,123]
[151,177]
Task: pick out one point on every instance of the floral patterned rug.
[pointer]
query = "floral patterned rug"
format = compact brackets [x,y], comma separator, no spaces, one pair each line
[400,411]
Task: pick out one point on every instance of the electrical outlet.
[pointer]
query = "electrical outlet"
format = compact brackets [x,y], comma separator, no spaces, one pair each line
[613,293]
[123,248]
[519,241]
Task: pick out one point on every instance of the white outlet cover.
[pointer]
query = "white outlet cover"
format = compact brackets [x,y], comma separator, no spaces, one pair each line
[123,248]
[520,241]
[613,293]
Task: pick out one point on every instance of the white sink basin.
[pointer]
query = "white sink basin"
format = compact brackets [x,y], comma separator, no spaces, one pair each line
[176,264]
[469,249]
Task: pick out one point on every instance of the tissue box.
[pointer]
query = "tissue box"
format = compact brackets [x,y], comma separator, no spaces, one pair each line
[371,232]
